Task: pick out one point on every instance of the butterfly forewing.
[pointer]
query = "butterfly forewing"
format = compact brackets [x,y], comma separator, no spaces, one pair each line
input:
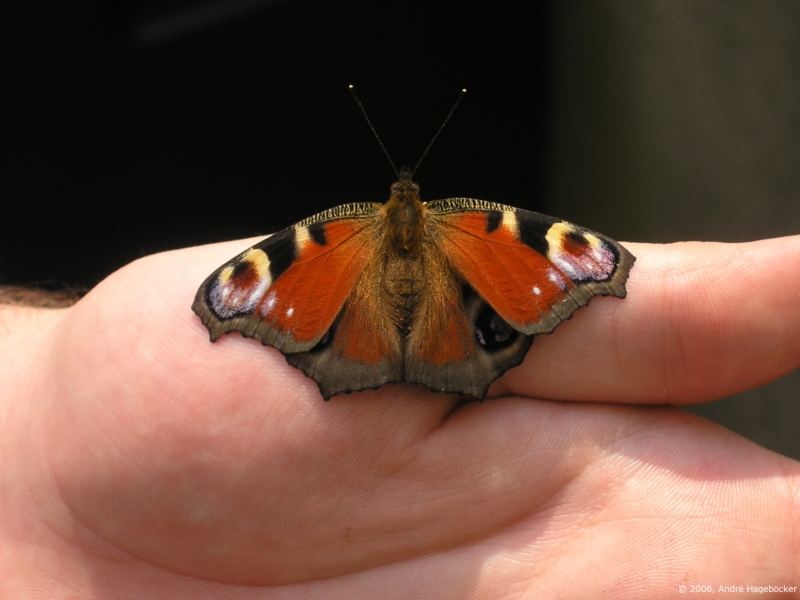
[534,270]
[287,290]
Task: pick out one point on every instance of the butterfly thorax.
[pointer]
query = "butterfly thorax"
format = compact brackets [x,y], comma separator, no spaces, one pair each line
[403,214]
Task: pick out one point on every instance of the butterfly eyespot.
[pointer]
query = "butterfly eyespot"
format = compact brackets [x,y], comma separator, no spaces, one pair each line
[581,255]
[492,332]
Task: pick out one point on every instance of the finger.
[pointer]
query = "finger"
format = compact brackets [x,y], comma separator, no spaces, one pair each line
[701,321]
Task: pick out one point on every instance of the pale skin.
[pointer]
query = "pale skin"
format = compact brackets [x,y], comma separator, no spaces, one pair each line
[141,461]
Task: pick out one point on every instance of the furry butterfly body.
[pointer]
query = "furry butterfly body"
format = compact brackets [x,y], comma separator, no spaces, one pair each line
[448,294]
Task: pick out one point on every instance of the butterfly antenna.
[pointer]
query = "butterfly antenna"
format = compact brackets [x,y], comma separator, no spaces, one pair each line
[353,93]
[460,97]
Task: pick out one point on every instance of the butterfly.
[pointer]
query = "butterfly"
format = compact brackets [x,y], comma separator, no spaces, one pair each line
[447,293]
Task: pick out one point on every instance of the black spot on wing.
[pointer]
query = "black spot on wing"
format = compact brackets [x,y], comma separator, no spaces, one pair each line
[577,238]
[317,232]
[243,271]
[493,219]
[533,229]
[280,250]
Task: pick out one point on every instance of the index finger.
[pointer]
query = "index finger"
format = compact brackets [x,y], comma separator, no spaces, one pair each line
[702,320]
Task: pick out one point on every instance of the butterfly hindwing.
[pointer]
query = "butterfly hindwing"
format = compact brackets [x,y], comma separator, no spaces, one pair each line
[462,346]
[363,348]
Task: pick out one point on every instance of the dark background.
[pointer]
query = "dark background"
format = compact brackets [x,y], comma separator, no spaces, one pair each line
[148,125]
[143,126]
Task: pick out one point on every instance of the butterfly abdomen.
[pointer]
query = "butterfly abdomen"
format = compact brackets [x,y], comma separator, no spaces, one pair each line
[403,282]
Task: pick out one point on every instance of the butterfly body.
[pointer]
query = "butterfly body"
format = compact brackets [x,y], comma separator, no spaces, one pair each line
[448,294]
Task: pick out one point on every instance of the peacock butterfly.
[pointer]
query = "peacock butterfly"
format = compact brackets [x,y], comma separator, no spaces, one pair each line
[448,293]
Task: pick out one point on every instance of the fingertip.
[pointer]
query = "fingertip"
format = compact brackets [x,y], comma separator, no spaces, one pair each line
[701,320]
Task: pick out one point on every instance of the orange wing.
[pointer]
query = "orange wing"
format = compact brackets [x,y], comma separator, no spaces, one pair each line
[533,270]
[287,290]
[309,291]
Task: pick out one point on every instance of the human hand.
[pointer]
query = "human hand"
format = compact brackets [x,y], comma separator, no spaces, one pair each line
[141,461]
